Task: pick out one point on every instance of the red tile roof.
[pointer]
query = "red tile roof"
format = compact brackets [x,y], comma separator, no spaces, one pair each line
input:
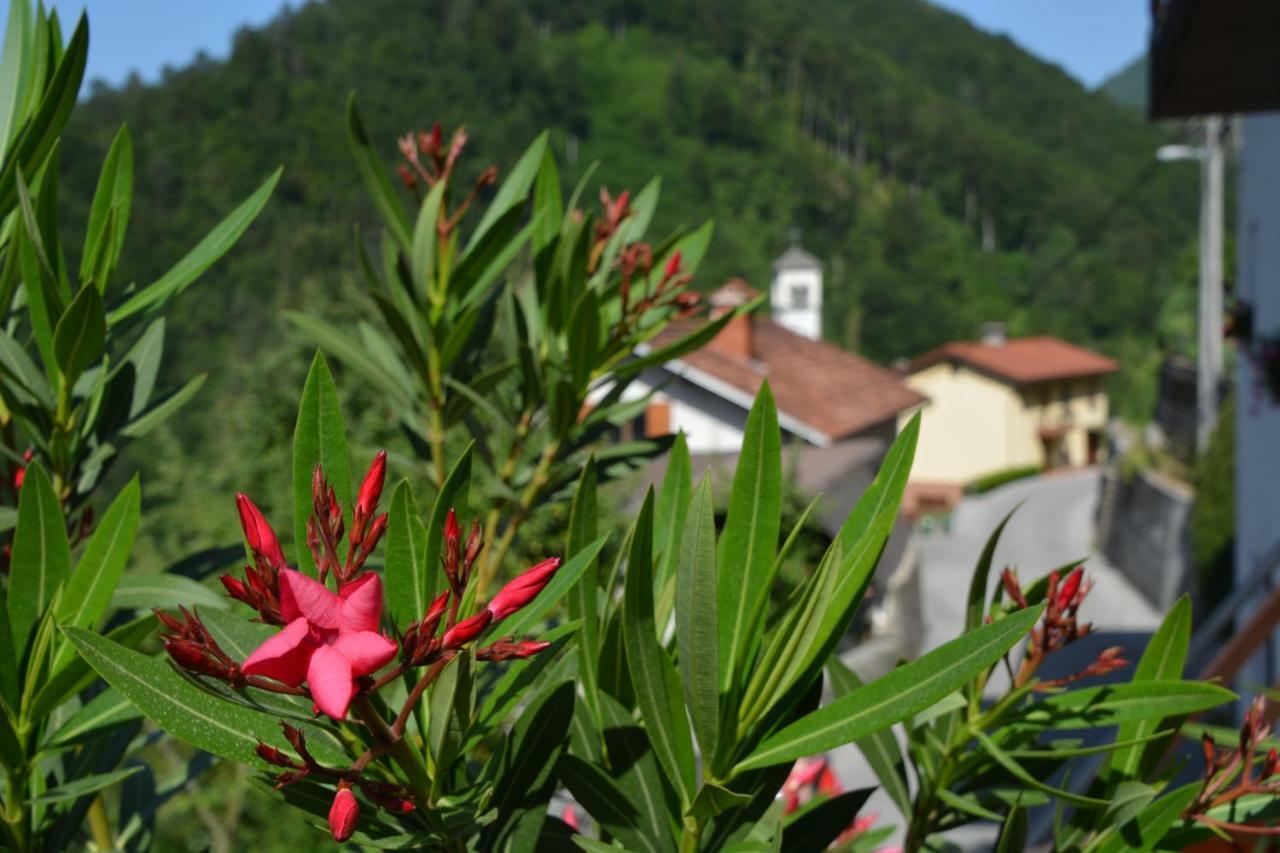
[1022,360]
[828,389]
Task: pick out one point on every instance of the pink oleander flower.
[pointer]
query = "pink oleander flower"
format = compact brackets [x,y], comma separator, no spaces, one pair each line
[328,640]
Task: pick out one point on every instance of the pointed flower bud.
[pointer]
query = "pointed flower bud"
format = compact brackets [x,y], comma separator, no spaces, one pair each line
[1069,588]
[258,533]
[673,265]
[371,488]
[523,589]
[235,588]
[343,814]
[467,630]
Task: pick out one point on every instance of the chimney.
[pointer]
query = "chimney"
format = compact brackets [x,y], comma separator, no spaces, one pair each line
[734,339]
[993,334]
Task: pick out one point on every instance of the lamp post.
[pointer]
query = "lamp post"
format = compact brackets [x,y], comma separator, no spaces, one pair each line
[1209,364]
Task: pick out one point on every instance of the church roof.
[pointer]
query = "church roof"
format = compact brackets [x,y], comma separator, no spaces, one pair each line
[796,258]
[825,389]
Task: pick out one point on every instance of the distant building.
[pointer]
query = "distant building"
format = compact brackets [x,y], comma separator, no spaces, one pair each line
[1000,404]
[825,395]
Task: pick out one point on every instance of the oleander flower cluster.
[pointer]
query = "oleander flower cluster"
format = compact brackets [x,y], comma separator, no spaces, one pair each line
[333,647]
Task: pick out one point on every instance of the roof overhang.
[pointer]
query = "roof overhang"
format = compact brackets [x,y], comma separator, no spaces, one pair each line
[1214,56]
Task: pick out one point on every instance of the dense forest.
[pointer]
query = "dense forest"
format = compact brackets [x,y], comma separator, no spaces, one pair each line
[944,176]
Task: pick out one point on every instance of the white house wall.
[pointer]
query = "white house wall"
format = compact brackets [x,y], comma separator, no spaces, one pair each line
[1257,416]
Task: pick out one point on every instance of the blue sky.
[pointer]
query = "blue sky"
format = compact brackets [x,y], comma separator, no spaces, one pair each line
[1090,38]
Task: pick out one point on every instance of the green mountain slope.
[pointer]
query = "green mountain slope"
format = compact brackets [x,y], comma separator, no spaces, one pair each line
[1128,86]
[943,175]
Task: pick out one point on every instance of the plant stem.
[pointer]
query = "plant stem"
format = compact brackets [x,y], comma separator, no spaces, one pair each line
[399,750]
[15,806]
[491,562]
[691,836]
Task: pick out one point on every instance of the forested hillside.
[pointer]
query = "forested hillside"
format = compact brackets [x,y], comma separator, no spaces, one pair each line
[944,176]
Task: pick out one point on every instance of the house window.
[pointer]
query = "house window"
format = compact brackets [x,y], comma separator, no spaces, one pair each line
[799,297]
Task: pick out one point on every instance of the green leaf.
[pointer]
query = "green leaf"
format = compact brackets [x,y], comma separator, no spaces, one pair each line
[318,439]
[1109,704]
[98,571]
[375,176]
[515,189]
[405,574]
[422,257]
[880,748]
[105,711]
[86,785]
[749,540]
[696,621]
[669,516]
[1013,832]
[214,245]
[1129,799]
[548,204]
[816,828]
[145,590]
[454,494]
[109,213]
[1163,659]
[354,355]
[1025,777]
[977,605]
[164,409]
[186,711]
[1150,825]
[526,776]
[656,684]
[41,555]
[896,695]
[638,774]
[606,802]
[713,800]
[581,602]
[76,675]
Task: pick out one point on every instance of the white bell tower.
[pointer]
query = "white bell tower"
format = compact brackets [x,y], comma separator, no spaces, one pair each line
[796,292]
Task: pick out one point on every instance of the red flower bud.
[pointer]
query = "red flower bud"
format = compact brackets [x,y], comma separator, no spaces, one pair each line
[271,755]
[431,620]
[235,588]
[1069,588]
[467,630]
[193,657]
[18,477]
[506,650]
[343,814]
[371,488]
[673,265]
[258,533]
[523,589]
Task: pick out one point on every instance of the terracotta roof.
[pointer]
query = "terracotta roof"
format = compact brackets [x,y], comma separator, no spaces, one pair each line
[1023,360]
[828,389]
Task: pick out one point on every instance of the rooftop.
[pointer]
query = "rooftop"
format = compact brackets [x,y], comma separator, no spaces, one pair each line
[796,258]
[825,388]
[1022,360]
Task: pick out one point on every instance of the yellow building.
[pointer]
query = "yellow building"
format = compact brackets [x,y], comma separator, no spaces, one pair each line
[1002,404]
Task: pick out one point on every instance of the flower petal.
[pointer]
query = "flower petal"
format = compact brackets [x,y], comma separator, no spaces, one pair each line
[329,677]
[362,603]
[283,656]
[367,651]
[304,596]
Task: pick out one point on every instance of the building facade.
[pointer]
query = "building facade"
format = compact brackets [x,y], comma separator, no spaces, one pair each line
[1000,404]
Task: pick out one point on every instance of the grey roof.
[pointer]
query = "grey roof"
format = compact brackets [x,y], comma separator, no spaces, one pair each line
[796,258]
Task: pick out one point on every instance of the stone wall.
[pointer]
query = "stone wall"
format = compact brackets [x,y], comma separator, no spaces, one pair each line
[1143,532]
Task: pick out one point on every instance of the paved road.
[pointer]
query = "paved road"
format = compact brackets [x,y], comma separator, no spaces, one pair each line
[1054,525]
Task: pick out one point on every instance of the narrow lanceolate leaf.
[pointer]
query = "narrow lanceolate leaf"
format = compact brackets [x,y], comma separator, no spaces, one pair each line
[214,245]
[144,590]
[695,607]
[656,684]
[375,176]
[816,828]
[109,213]
[880,749]
[515,189]
[895,696]
[94,580]
[108,709]
[41,555]
[1145,830]
[1110,704]
[1163,659]
[1013,832]
[405,573]
[81,334]
[1024,776]
[187,712]
[84,785]
[319,438]
[977,604]
[581,601]
[750,538]
[669,515]
[454,494]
